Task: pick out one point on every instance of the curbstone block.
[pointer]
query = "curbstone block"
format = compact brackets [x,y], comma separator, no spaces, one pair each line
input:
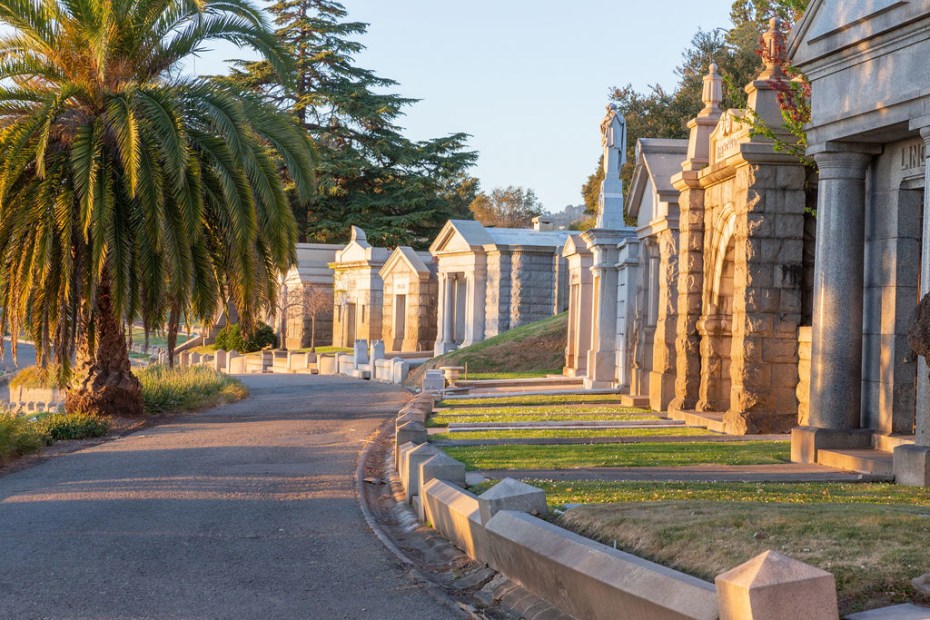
[410,476]
[510,494]
[772,586]
[442,467]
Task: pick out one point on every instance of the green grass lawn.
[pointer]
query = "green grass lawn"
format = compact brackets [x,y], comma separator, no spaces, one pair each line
[625,455]
[538,414]
[138,336]
[540,399]
[874,538]
[321,350]
[572,434]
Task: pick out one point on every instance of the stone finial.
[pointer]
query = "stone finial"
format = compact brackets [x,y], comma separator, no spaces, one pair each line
[713,90]
[358,235]
[774,50]
[772,586]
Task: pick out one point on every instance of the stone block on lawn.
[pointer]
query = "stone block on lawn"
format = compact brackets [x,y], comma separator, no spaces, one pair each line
[377,350]
[410,477]
[912,465]
[510,494]
[772,586]
[434,382]
[443,467]
[400,370]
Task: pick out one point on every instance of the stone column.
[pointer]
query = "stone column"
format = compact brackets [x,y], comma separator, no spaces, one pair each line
[836,347]
[690,291]
[602,357]
[662,375]
[923,383]
[912,463]
[446,317]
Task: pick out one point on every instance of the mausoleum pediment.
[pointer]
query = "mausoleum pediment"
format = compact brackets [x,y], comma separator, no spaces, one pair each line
[829,26]
[732,131]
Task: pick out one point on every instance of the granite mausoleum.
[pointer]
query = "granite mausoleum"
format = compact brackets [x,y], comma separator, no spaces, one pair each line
[653,202]
[741,264]
[308,290]
[358,291]
[578,259]
[410,296]
[494,279]
[870,126]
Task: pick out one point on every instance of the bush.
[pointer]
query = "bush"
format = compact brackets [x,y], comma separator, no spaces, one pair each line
[230,338]
[35,377]
[187,388]
[18,436]
[61,426]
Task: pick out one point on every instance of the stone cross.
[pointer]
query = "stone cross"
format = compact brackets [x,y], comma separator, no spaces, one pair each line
[613,141]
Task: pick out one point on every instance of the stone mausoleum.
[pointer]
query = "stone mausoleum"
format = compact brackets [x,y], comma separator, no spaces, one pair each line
[358,291]
[494,279]
[308,282]
[653,203]
[870,79]
[410,297]
[605,277]
[741,264]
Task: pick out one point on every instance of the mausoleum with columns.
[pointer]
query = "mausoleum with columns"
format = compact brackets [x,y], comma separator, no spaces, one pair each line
[494,279]
[870,80]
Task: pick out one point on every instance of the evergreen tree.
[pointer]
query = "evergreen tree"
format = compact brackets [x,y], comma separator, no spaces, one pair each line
[368,173]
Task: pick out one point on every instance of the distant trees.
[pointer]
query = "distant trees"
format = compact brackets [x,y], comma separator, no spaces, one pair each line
[367,171]
[506,207]
[659,113]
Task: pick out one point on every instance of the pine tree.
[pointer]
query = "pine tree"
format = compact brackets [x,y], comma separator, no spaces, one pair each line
[368,173]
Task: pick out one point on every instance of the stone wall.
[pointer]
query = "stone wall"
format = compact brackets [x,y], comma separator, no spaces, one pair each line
[533,287]
[662,376]
[499,292]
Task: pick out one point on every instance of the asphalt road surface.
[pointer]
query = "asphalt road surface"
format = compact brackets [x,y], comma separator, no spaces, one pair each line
[245,511]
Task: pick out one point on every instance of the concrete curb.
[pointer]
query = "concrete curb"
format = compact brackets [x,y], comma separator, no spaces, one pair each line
[415,574]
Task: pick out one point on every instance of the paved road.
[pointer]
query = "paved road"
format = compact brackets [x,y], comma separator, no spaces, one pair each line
[245,511]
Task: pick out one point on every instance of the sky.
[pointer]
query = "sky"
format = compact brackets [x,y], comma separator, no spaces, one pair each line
[528,80]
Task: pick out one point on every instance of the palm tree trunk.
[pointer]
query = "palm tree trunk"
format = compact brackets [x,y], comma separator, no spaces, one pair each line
[103,382]
[174,321]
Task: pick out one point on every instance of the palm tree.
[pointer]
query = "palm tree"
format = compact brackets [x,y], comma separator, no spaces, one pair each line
[128,188]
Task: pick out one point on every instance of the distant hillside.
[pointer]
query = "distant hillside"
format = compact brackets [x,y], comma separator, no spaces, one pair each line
[535,347]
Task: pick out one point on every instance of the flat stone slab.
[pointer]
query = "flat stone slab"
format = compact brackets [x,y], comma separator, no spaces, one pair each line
[788,472]
[491,394]
[568,441]
[896,612]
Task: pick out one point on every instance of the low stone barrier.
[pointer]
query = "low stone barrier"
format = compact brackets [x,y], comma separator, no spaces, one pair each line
[589,580]
[578,575]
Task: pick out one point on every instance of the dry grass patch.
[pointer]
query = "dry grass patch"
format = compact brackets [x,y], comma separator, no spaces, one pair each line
[873,550]
[671,431]
[534,399]
[538,414]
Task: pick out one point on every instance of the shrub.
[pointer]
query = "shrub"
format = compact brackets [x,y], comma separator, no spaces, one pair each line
[18,436]
[187,388]
[61,426]
[35,377]
[230,338]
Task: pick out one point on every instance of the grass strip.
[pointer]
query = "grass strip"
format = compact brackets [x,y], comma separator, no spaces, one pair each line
[672,431]
[170,390]
[625,455]
[538,399]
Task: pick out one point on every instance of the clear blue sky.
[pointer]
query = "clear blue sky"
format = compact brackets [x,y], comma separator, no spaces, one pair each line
[527,79]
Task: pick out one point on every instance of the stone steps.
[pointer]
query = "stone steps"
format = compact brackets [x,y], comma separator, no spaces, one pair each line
[711,420]
[866,461]
[536,383]
[641,402]
[887,443]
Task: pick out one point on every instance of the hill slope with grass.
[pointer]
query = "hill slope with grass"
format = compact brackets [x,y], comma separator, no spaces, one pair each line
[533,348]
